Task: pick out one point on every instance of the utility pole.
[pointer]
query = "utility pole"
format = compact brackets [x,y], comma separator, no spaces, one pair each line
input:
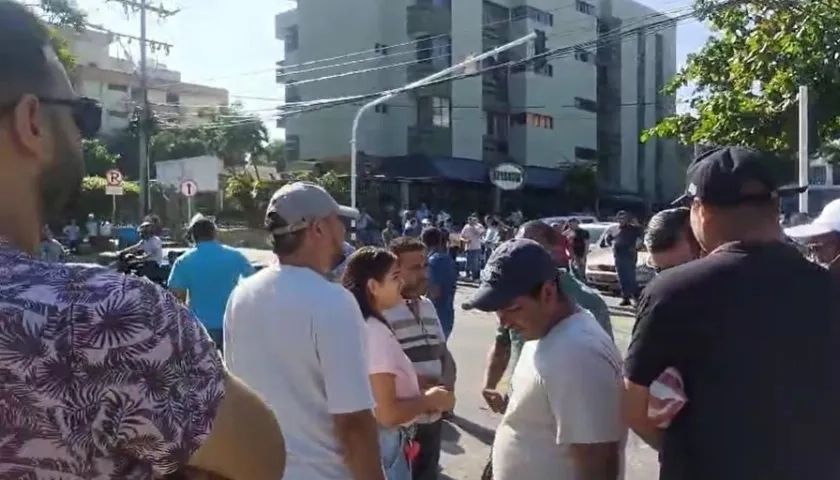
[144,122]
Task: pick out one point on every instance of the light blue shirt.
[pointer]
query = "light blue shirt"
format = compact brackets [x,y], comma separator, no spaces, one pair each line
[208,272]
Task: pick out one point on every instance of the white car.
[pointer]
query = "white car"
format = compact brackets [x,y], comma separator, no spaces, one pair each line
[600,265]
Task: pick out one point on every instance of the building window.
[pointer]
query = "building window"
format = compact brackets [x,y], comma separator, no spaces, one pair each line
[586,104]
[425,45]
[584,153]
[173,98]
[117,88]
[380,108]
[582,55]
[584,7]
[441,112]
[290,39]
[381,48]
[292,93]
[532,119]
[523,12]
[546,70]
[292,148]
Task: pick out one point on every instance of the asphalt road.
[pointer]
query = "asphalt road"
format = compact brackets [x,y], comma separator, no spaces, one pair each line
[467,438]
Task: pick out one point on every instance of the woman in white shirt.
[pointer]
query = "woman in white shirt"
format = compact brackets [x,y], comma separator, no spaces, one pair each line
[371,274]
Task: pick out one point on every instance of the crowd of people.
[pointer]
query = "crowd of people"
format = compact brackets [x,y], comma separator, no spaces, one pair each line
[728,374]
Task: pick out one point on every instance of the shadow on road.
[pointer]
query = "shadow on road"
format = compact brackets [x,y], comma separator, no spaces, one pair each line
[623,311]
[479,432]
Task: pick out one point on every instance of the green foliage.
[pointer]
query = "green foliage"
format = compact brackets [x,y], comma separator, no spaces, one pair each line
[746,77]
[94,200]
[275,154]
[580,188]
[98,159]
[250,196]
[174,144]
[62,14]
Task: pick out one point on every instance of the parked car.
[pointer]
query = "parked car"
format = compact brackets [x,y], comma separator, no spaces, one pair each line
[600,266]
[583,219]
[596,232]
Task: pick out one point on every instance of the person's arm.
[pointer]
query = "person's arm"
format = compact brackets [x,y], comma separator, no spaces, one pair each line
[656,344]
[584,391]
[607,238]
[382,351]
[437,276]
[217,425]
[449,369]
[339,339]
[178,282]
[247,268]
[497,359]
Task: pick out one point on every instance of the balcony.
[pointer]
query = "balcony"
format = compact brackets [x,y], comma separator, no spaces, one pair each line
[428,20]
[495,150]
[430,140]
[421,70]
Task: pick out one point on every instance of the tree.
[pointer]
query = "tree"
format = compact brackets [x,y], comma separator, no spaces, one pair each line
[63,14]
[174,144]
[746,77]
[275,154]
[235,136]
[98,159]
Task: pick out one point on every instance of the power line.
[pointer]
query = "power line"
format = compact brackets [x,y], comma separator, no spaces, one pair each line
[379,56]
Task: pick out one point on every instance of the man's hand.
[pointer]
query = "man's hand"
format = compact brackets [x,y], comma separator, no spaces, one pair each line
[495,400]
[426,382]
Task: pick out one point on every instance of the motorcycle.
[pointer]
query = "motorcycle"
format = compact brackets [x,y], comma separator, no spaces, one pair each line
[131,263]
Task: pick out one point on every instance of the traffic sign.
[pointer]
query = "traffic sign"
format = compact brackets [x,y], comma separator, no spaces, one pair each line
[114,190]
[507,176]
[189,188]
[114,178]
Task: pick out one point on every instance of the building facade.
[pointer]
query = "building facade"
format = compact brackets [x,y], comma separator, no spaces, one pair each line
[115,82]
[588,104]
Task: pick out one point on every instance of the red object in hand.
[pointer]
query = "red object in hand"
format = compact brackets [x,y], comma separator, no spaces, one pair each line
[412,451]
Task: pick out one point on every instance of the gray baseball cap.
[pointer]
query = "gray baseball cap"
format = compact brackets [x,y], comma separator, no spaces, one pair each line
[301,203]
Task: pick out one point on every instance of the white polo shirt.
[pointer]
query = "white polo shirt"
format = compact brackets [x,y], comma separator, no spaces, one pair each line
[298,340]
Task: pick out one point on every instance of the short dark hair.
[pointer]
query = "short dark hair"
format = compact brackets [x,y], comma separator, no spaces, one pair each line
[287,243]
[401,245]
[432,237]
[203,230]
[665,229]
[541,229]
[24,67]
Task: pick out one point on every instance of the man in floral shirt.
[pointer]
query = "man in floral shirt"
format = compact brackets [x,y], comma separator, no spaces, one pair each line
[101,375]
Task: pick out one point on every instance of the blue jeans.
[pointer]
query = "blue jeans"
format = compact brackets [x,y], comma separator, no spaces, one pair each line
[392,449]
[473,263]
[625,268]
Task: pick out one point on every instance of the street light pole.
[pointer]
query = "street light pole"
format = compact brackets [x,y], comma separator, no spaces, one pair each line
[803,147]
[411,86]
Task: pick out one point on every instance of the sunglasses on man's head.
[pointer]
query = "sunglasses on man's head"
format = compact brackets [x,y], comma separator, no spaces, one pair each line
[86,112]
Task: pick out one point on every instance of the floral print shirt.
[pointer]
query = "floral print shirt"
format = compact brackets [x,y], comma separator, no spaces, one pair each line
[102,375]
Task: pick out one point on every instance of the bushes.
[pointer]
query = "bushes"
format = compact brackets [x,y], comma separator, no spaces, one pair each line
[249,197]
[94,200]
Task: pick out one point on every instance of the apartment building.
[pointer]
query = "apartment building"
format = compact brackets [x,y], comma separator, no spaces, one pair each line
[114,82]
[586,105]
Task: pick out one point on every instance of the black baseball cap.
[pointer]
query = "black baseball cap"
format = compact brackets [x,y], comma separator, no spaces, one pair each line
[513,270]
[730,176]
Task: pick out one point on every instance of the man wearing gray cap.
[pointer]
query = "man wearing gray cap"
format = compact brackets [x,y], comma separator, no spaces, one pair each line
[563,418]
[297,339]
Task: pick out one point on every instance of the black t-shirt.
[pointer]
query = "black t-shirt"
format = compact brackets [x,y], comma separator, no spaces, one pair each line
[624,238]
[579,239]
[754,330]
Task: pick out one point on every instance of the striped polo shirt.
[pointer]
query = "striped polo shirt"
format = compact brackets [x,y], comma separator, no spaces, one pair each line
[421,338]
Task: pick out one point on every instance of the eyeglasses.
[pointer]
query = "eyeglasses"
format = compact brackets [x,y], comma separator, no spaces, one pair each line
[86,112]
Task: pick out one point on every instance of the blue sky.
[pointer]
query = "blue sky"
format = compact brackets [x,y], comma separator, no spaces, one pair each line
[231,44]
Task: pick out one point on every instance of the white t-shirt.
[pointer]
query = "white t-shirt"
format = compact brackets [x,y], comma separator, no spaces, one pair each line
[153,247]
[472,235]
[566,389]
[299,341]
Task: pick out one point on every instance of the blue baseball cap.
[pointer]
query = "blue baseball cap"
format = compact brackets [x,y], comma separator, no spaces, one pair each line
[513,270]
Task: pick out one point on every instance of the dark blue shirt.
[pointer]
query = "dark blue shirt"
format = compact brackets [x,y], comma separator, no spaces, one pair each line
[443,276]
[623,238]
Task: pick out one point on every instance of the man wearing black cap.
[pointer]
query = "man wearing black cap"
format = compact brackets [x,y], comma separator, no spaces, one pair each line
[754,330]
[563,418]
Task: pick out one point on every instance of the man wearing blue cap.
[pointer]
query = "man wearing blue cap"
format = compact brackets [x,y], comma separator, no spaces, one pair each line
[563,417]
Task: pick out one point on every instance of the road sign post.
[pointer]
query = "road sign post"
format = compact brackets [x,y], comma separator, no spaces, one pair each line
[114,187]
[188,189]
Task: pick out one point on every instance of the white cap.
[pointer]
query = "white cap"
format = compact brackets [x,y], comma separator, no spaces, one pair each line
[300,203]
[827,222]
